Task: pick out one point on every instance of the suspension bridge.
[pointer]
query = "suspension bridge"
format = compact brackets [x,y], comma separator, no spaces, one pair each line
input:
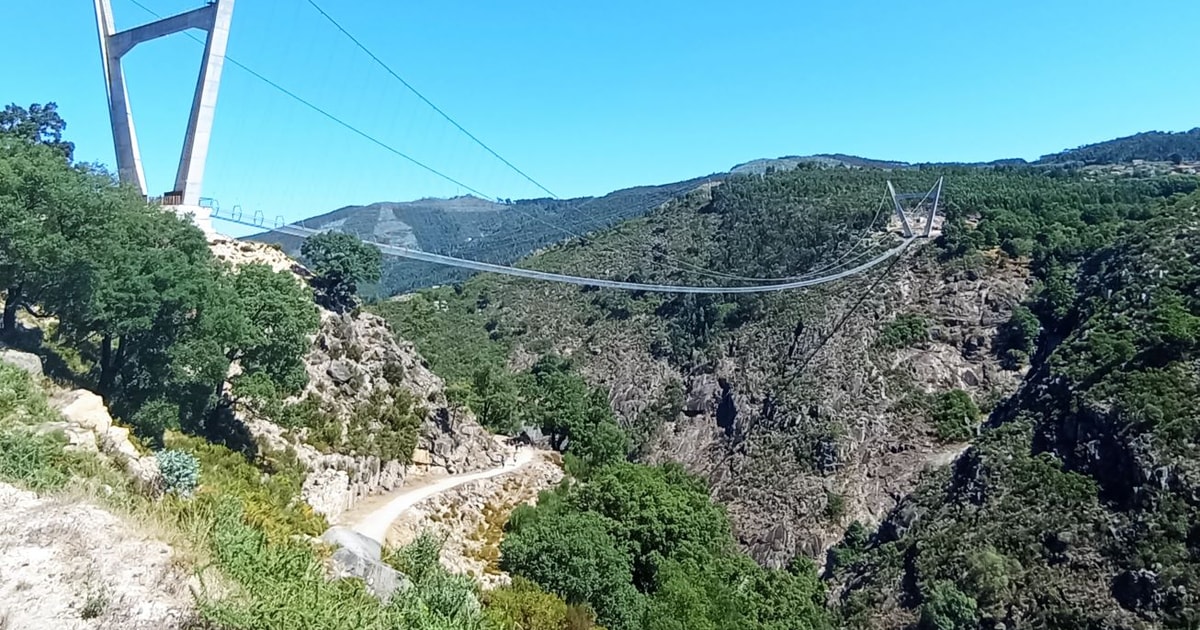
[215,19]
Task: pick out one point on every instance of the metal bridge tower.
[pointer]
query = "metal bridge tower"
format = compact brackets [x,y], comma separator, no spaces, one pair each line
[214,18]
[898,199]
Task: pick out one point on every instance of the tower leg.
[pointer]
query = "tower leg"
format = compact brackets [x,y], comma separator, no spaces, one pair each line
[937,195]
[214,18]
[190,176]
[899,211]
[129,159]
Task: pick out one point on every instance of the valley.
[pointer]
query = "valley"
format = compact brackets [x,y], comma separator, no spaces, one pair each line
[995,429]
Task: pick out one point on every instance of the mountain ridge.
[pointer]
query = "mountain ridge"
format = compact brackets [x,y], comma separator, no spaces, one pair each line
[504,231]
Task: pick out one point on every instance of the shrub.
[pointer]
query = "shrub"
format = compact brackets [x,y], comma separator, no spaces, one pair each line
[94,606]
[524,606]
[180,471]
[955,415]
[393,373]
[153,419]
[1018,337]
[990,576]
[851,548]
[947,608]
[904,331]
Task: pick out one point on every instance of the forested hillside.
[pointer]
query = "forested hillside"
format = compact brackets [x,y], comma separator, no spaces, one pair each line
[1157,146]
[995,429]
[1077,506]
[500,232]
[828,419]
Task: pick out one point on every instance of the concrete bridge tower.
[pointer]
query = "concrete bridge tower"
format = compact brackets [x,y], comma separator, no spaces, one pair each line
[214,18]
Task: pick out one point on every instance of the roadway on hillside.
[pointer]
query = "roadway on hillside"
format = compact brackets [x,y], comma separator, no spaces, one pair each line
[376,523]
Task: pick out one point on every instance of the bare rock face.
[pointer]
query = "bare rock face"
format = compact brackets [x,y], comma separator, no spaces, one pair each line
[89,427]
[803,423]
[30,363]
[239,253]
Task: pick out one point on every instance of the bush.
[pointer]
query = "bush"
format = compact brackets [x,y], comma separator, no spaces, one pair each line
[393,373]
[1018,337]
[955,415]
[524,606]
[180,471]
[904,331]
[154,418]
[947,608]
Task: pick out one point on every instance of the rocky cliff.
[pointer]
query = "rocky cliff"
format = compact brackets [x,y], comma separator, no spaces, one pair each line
[801,433]
[356,363]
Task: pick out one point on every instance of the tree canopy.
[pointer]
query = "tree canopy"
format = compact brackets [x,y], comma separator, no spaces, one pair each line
[135,288]
[40,124]
[669,556]
[341,262]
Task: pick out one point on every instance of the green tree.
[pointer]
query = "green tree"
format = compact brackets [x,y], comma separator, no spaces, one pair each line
[947,608]
[576,418]
[495,399]
[734,592]
[658,512]
[573,555]
[955,415]
[50,213]
[270,329]
[1018,336]
[39,124]
[340,262]
[152,283]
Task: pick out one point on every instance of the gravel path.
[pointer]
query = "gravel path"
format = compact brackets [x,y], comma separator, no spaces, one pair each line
[376,523]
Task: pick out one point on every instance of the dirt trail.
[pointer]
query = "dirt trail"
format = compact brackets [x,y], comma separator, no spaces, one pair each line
[375,524]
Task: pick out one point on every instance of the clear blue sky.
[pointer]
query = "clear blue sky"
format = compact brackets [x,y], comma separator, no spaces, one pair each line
[590,97]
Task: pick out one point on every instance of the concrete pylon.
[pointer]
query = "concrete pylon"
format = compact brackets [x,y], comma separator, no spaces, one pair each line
[214,18]
[898,199]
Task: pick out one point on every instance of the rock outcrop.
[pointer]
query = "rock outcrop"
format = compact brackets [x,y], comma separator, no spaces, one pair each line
[24,361]
[357,556]
[74,566]
[354,360]
[88,426]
